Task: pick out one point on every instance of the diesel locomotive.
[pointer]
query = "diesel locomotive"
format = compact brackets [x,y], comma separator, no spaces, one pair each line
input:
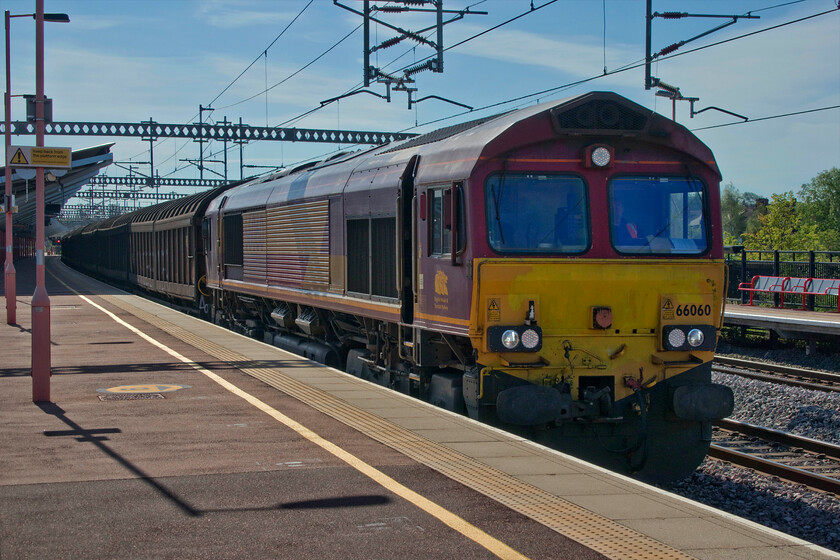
[555,270]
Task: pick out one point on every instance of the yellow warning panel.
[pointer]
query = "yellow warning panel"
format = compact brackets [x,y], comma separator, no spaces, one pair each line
[149,388]
[668,309]
[39,156]
[494,313]
[19,158]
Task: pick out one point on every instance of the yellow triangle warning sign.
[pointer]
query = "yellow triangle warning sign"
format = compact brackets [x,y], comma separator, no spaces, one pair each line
[668,305]
[19,158]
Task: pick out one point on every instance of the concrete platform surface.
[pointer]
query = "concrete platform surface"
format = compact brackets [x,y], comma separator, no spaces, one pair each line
[168,437]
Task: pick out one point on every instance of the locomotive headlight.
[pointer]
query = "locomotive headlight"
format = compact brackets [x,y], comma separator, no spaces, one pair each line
[601,157]
[510,339]
[688,337]
[519,338]
[695,338]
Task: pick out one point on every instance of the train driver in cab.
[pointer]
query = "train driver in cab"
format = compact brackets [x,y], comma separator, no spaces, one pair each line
[623,231]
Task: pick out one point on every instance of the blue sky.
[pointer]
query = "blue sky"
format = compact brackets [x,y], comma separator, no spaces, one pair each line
[128,61]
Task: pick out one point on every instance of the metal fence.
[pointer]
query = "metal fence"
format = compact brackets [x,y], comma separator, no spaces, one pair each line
[744,264]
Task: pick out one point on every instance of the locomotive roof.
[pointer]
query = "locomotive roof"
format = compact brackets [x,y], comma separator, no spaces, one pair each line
[451,153]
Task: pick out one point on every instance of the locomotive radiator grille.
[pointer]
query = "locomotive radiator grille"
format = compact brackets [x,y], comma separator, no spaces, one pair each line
[590,529]
[254,253]
[288,245]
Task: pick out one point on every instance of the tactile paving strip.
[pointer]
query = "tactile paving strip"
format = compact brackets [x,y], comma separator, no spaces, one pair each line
[590,529]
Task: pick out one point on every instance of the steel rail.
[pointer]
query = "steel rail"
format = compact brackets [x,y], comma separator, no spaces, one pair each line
[772,373]
[793,474]
[785,438]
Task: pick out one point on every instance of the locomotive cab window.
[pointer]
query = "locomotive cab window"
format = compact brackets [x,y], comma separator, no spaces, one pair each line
[661,215]
[442,213]
[536,213]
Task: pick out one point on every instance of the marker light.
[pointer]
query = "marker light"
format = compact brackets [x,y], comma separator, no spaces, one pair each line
[510,339]
[601,157]
[695,337]
[676,338]
[530,338]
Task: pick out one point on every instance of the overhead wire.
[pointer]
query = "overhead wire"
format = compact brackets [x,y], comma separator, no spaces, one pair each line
[263,53]
[296,72]
[750,121]
[630,66]
[555,89]
[624,69]
[484,32]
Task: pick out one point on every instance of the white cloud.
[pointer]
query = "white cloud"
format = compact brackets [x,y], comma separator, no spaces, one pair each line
[577,58]
[219,13]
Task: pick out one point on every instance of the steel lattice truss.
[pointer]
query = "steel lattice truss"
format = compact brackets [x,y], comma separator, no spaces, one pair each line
[222,132]
[144,182]
[129,194]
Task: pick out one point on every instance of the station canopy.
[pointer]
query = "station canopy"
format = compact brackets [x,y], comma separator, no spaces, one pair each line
[60,185]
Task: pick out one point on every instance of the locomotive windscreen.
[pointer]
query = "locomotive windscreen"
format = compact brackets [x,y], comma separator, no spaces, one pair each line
[662,215]
[536,213]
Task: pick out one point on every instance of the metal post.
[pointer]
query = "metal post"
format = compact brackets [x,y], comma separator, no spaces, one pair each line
[224,143]
[812,272]
[241,153]
[744,274]
[152,161]
[648,59]
[11,288]
[40,300]
[366,23]
[439,61]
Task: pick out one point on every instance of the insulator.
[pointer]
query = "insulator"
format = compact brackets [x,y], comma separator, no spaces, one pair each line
[417,68]
[382,74]
[414,36]
[389,43]
[668,87]
[669,49]
[412,2]
[673,15]
[390,9]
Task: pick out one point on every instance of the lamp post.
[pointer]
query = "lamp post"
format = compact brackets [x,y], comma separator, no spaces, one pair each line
[41,371]
[40,299]
[9,267]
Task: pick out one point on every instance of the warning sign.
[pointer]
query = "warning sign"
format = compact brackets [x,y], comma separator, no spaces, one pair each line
[19,158]
[39,156]
[668,309]
[494,314]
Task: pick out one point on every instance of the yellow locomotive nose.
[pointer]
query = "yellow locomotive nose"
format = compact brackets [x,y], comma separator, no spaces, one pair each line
[593,323]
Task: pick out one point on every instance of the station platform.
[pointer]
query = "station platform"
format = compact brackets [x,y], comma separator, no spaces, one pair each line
[788,322]
[169,437]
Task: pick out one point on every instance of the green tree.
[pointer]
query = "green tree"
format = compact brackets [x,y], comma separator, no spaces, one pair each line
[821,206]
[734,214]
[756,207]
[782,228]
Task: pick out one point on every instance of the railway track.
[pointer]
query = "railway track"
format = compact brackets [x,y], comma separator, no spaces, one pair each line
[786,375]
[793,458]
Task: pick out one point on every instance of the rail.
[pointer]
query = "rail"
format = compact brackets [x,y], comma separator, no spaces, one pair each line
[774,373]
[791,466]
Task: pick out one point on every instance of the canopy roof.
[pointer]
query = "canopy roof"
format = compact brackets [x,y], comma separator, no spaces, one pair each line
[86,162]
